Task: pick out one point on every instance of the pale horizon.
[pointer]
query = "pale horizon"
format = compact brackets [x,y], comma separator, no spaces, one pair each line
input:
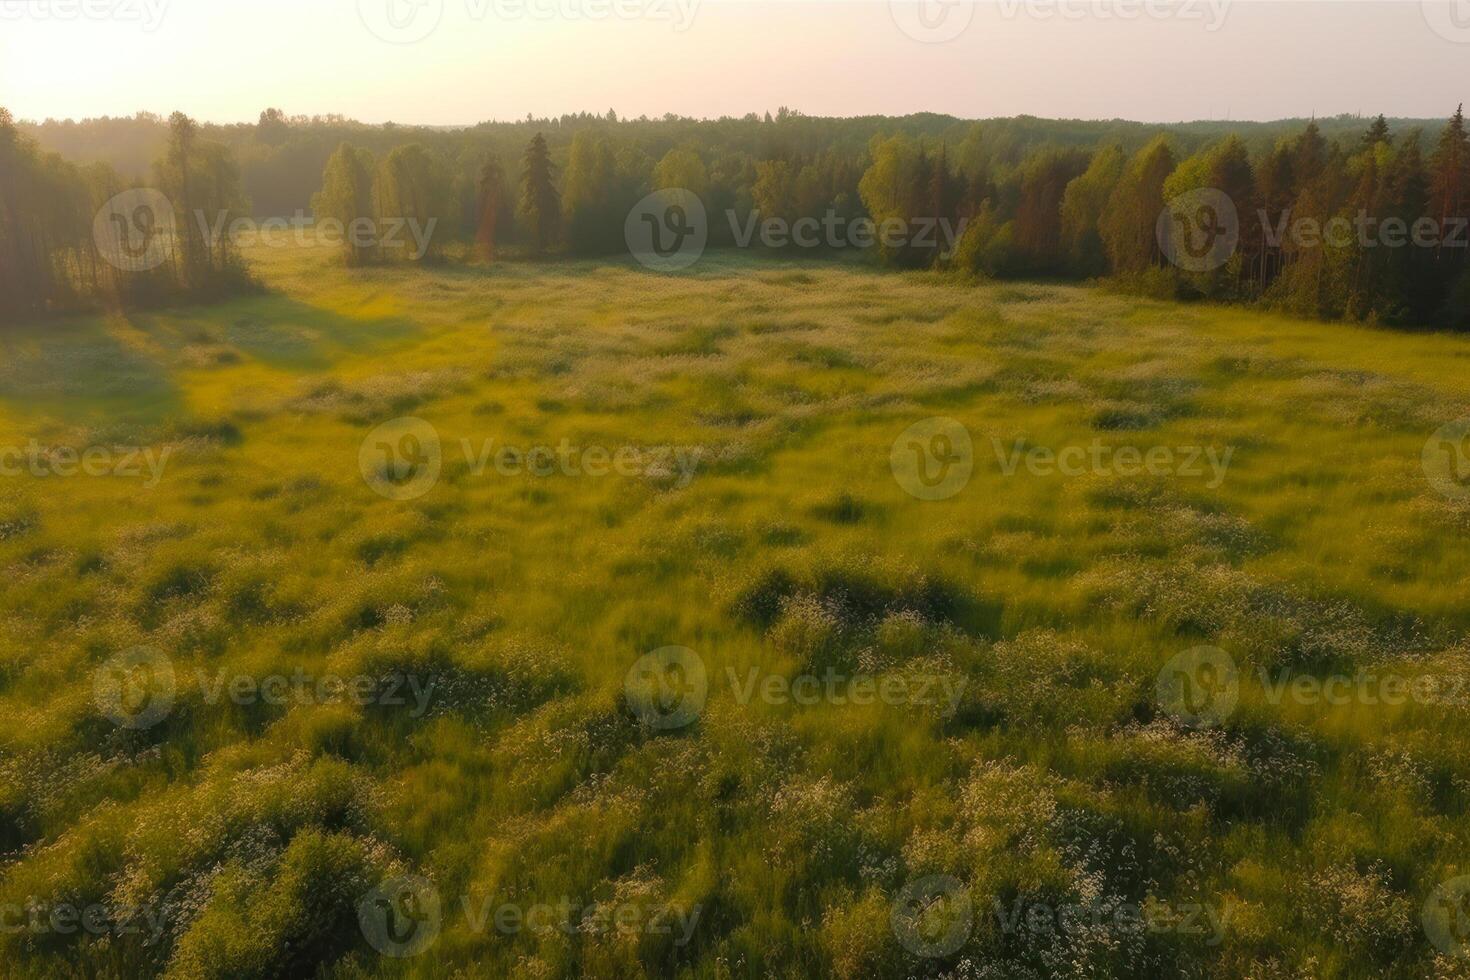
[490,60]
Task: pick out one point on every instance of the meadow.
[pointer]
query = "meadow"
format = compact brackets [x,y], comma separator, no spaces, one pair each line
[815,625]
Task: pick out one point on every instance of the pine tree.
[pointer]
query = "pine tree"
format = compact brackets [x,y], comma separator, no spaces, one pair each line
[1309,156]
[1408,282]
[1450,171]
[540,203]
[1377,133]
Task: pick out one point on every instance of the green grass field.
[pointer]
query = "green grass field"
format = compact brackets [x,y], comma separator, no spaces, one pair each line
[1021,762]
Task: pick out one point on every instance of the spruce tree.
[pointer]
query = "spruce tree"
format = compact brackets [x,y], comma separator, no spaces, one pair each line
[540,203]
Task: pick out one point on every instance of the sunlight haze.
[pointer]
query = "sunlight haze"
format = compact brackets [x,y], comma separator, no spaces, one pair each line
[502,59]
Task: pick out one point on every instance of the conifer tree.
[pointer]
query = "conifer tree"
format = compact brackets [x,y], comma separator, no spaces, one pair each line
[540,202]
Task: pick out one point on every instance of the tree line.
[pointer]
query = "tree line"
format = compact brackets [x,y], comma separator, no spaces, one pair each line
[74,237]
[1035,198]
[1373,228]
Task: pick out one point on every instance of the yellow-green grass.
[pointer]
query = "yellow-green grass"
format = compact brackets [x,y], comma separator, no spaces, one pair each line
[262,550]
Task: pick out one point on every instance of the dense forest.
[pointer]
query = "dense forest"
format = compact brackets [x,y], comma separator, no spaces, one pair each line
[1034,198]
[54,256]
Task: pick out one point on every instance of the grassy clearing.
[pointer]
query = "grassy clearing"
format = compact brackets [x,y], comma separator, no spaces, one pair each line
[787,830]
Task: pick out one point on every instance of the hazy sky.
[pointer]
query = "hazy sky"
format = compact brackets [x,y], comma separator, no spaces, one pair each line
[1153,60]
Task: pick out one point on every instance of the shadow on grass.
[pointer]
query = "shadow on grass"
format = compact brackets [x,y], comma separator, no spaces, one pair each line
[123,369]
